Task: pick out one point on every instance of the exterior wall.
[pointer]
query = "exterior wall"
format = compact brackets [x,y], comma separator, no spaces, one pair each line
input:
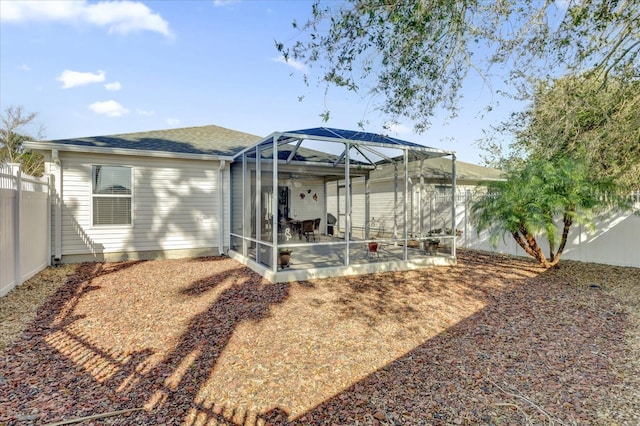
[174,208]
[308,207]
[300,208]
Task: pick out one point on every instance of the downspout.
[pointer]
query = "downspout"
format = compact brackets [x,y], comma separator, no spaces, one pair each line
[453,205]
[57,218]
[347,203]
[395,202]
[405,211]
[223,164]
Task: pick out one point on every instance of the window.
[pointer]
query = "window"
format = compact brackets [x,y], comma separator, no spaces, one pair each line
[111,193]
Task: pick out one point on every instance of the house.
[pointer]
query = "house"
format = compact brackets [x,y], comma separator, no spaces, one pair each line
[141,195]
[208,190]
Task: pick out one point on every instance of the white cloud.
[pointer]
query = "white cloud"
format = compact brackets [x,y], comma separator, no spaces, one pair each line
[118,16]
[145,113]
[113,87]
[109,108]
[71,79]
[126,16]
[219,3]
[173,122]
[25,67]
[298,66]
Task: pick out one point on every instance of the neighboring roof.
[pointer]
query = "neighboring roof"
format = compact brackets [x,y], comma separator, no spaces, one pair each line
[187,142]
[438,170]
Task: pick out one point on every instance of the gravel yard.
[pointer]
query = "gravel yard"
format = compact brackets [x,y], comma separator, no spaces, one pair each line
[495,340]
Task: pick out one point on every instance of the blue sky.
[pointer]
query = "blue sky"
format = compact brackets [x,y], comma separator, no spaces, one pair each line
[106,67]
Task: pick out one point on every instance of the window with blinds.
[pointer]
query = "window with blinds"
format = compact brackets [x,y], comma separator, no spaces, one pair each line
[111,193]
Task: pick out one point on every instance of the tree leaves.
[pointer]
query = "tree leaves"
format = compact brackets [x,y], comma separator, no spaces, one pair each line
[411,57]
[543,197]
[581,118]
[13,123]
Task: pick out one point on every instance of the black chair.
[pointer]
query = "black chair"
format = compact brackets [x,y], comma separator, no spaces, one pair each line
[331,221]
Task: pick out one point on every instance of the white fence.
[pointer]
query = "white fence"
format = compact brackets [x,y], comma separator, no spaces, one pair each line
[615,240]
[24,227]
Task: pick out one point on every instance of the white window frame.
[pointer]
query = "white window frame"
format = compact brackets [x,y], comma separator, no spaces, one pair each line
[92,196]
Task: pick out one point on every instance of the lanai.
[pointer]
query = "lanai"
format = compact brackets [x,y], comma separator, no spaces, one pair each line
[323,173]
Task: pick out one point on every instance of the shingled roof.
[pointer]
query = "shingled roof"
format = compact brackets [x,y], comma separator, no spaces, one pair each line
[438,170]
[183,142]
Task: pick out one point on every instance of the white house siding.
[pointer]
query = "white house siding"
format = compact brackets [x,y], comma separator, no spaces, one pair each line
[300,208]
[175,206]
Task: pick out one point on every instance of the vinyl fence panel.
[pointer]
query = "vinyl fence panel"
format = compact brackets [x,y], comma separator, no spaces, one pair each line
[7,236]
[24,227]
[614,241]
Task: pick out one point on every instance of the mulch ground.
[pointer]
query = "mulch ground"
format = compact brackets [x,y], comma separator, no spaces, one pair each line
[494,340]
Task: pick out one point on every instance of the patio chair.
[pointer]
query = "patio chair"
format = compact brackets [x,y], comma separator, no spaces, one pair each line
[375,248]
[316,226]
[331,222]
[308,228]
[372,250]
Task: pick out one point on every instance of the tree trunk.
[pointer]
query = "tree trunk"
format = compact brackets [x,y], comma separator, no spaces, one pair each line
[535,248]
[566,219]
[522,243]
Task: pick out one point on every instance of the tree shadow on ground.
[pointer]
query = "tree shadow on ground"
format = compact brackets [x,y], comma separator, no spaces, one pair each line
[539,350]
[542,351]
[69,374]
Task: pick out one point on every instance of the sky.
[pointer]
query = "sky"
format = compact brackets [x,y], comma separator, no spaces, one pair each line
[91,68]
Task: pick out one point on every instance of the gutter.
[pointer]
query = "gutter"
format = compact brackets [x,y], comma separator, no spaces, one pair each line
[223,164]
[34,145]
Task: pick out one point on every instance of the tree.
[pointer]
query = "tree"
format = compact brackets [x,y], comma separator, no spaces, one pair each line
[536,197]
[412,56]
[580,117]
[576,152]
[12,137]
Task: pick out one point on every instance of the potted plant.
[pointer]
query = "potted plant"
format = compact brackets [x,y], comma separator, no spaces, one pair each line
[458,232]
[431,245]
[284,257]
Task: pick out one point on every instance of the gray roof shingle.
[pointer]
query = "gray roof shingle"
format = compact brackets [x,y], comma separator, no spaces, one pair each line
[207,140]
[439,170]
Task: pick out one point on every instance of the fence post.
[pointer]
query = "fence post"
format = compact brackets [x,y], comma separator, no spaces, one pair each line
[467,202]
[49,219]
[15,170]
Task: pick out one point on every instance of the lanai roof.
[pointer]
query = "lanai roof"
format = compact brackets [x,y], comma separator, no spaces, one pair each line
[357,137]
[365,143]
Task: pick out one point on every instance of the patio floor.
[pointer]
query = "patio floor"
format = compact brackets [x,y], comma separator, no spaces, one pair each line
[325,257]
